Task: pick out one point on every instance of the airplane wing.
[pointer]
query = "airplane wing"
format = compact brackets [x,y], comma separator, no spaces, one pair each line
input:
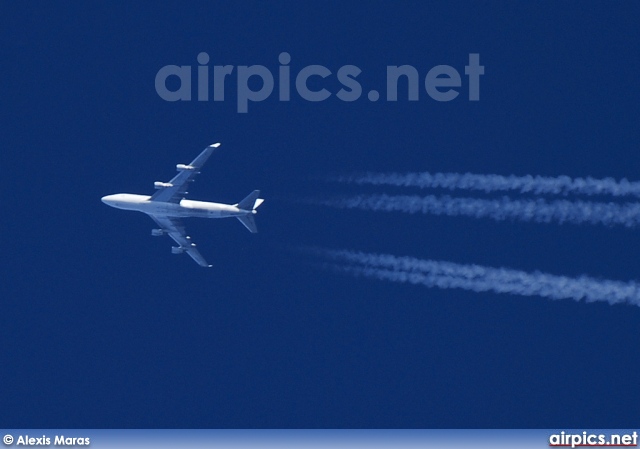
[176,189]
[175,229]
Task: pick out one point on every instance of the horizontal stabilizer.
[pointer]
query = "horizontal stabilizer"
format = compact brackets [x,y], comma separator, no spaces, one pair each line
[249,222]
[249,202]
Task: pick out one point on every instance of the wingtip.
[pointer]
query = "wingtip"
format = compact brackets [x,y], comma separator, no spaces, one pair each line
[215,145]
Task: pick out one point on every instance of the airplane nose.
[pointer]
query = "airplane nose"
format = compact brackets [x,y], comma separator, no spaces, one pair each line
[108,200]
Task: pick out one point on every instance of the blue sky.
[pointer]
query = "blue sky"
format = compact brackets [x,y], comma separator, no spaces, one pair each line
[103,327]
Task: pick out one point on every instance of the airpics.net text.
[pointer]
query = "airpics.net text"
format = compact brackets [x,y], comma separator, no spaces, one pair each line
[441,83]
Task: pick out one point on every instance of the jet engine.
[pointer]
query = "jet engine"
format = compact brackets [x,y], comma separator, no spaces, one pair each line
[162,185]
[182,167]
[177,250]
[158,232]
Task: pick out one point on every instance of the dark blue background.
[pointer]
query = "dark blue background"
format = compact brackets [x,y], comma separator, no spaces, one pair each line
[102,327]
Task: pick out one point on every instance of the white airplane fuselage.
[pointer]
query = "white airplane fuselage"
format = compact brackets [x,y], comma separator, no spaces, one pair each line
[168,206]
[186,208]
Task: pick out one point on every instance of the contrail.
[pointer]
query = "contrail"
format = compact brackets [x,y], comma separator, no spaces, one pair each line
[432,273]
[561,185]
[539,210]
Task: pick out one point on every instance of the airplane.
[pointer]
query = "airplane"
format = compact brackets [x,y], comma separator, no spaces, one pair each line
[168,205]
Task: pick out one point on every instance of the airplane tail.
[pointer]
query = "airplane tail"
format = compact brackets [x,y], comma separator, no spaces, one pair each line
[250,203]
[249,222]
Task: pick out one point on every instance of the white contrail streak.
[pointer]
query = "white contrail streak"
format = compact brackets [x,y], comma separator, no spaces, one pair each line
[432,273]
[540,211]
[561,185]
